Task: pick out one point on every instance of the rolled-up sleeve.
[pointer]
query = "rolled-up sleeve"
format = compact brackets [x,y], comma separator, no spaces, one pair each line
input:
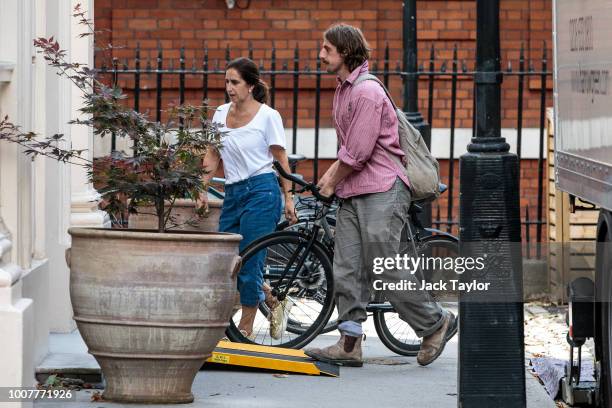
[362,133]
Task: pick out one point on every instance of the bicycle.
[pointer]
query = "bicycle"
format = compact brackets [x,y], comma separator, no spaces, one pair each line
[298,264]
[305,206]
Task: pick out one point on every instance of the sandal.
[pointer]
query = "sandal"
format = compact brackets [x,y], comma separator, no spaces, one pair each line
[278,318]
[244,333]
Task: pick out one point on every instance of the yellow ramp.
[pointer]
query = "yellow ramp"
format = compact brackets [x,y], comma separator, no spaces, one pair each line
[270,358]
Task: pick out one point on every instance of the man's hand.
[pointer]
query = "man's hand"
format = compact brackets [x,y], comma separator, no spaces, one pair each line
[290,211]
[337,172]
[326,190]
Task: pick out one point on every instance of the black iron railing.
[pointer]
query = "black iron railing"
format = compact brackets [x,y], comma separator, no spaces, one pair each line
[203,69]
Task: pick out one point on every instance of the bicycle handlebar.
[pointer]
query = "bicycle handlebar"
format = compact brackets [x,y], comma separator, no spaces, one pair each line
[306,186]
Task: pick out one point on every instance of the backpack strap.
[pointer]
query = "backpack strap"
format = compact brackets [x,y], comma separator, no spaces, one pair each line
[370,77]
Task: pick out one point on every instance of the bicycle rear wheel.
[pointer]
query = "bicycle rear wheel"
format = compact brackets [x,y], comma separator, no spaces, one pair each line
[311,292]
[395,333]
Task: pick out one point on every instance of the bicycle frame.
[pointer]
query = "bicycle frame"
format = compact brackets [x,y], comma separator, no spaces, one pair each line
[311,231]
[303,249]
[311,235]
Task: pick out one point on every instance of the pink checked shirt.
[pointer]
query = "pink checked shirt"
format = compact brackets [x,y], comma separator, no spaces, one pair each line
[366,126]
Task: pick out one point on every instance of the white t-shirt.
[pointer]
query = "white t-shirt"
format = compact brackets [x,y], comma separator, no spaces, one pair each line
[246,150]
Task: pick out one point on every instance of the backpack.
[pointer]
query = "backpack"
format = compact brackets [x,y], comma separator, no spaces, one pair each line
[421,168]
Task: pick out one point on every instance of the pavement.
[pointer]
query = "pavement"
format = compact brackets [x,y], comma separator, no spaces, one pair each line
[385,380]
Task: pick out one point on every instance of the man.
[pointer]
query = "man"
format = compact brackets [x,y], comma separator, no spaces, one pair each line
[375,198]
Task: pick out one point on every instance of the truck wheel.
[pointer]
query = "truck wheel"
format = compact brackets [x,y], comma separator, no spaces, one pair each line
[603,298]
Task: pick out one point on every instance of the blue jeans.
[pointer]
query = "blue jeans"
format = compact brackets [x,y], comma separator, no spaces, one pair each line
[252,209]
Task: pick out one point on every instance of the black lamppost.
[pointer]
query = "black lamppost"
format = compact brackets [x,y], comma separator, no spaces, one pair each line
[411,85]
[491,345]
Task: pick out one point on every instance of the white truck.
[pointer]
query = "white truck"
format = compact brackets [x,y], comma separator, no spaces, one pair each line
[583,168]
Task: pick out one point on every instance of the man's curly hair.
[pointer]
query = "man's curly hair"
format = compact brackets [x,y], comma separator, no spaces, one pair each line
[350,43]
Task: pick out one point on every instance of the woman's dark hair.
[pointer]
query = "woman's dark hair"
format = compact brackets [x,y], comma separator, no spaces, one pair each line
[350,43]
[250,73]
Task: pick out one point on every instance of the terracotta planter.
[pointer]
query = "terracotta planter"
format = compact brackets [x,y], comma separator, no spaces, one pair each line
[183,210]
[151,307]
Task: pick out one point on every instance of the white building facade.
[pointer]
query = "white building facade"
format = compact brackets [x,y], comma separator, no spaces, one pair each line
[40,199]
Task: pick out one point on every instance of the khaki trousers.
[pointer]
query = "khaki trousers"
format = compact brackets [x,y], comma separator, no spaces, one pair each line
[370,226]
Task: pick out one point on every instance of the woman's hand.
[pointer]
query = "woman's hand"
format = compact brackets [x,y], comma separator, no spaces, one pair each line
[290,210]
[278,152]
[210,162]
[202,204]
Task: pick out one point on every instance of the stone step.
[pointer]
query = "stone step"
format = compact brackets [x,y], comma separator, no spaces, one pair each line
[70,365]
[68,356]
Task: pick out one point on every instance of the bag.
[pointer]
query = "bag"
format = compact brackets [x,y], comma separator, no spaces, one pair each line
[421,168]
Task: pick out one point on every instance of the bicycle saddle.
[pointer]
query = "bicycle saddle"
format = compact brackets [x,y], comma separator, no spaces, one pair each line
[294,158]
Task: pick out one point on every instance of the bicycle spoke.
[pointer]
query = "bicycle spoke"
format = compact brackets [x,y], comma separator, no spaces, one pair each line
[306,287]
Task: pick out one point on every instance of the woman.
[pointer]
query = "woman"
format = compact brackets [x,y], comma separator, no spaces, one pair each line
[254,136]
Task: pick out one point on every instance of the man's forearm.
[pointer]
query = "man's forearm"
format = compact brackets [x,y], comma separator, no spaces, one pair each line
[341,171]
[328,173]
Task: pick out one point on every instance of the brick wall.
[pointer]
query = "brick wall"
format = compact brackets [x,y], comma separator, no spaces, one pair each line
[285,24]
[528,194]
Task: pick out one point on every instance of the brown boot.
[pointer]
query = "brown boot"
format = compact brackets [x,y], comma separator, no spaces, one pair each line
[433,345]
[346,352]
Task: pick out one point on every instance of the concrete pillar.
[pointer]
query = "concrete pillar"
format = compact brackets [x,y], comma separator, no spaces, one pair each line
[69,195]
[84,199]
[56,175]
[18,315]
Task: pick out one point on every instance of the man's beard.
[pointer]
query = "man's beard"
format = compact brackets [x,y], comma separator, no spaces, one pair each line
[330,69]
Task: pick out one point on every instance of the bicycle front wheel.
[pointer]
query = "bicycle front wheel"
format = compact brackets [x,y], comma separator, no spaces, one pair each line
[310,293]
[395,333]
[301,226]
